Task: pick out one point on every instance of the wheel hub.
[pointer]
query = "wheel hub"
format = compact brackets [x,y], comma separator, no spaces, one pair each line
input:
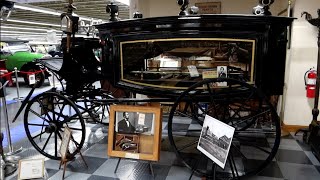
[52,127]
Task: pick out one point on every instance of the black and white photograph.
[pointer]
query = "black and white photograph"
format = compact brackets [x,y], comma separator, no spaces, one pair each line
[215,140]
[222,73]
[134,123]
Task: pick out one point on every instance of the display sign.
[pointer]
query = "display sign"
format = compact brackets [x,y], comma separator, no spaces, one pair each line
[31,169]
[193,71]
[32,79]
[215,140]
[209,7]
[65,143]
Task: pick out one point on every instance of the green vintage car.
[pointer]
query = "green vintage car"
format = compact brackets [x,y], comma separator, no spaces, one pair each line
[18,54]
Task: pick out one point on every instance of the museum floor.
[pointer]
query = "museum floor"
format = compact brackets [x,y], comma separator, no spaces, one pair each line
[294,159]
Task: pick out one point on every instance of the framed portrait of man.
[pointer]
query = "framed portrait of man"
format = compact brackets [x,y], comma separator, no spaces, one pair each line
[134,132]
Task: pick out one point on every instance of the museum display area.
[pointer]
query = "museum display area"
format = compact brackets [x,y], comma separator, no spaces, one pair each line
[147,89]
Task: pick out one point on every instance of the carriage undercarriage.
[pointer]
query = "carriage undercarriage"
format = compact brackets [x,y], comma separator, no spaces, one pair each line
[240,105]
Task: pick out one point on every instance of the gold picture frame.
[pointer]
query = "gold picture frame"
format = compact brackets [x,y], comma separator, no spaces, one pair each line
[134,132]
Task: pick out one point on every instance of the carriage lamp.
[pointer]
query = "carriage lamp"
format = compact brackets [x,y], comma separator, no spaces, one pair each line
[66,24]
[113,10]
[193,10]
[262,9]
[184,5]
[6,8]
[69,23]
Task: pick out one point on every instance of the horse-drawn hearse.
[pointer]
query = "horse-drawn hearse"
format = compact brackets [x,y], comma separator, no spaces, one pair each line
[172,59]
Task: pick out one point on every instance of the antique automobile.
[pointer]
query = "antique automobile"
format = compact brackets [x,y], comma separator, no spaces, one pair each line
[18,54]
[173,59]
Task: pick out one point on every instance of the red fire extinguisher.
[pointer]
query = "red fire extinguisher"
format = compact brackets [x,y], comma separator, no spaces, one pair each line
[310,79]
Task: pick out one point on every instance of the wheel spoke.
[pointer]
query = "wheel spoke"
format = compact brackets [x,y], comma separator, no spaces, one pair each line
[45,144]
[38,135]
[60,113]
[35,113]
[55,144]
[42,125]
[188,145]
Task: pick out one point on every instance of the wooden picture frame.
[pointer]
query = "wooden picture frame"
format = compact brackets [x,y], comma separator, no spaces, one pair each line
[209,7]
[141,138]
[65,143]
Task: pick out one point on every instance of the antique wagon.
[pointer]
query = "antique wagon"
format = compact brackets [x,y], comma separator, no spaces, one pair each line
[175,59]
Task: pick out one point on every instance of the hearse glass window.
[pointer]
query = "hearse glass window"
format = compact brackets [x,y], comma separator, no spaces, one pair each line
[166,63]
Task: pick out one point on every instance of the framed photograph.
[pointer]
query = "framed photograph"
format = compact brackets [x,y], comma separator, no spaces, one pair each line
[215,140]
[222,72]
[209,7]
[31,169]
[134,132]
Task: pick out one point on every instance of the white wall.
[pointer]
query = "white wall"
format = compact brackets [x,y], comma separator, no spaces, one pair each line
[158,8]
[303,55]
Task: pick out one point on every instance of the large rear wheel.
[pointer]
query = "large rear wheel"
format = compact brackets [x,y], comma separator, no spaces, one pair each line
[240,105]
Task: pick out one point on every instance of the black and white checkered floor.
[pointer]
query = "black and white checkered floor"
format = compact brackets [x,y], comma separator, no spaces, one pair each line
[294,161]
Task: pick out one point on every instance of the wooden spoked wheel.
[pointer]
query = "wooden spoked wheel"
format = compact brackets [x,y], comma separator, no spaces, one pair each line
[46,116]
[240,105]
[98,109]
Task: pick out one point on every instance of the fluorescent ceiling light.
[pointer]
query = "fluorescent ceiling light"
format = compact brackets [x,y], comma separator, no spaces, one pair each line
[24,35]
[33,22]
[25,28]
[126,2]
[20,32]
[37,9]
[33,1]
[48,11]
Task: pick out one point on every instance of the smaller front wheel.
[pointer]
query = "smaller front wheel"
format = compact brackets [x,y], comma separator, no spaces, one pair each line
[45,119]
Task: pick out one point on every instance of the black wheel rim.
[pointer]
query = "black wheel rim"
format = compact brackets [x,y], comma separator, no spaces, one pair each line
[240,105]
[45,119]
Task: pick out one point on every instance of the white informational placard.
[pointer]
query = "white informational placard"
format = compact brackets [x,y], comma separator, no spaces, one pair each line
[193,71]
[32,79]
[215,140]
[31,169]
[65,143]
[141,118]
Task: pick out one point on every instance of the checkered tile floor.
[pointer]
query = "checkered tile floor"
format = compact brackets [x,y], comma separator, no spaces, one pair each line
[294,161]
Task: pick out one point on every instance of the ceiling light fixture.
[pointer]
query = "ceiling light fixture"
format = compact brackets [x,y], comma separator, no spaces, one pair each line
[26,28]
[19,32]
[37,9]
[126,2]
[48,11]
[33,22]
[25,35]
